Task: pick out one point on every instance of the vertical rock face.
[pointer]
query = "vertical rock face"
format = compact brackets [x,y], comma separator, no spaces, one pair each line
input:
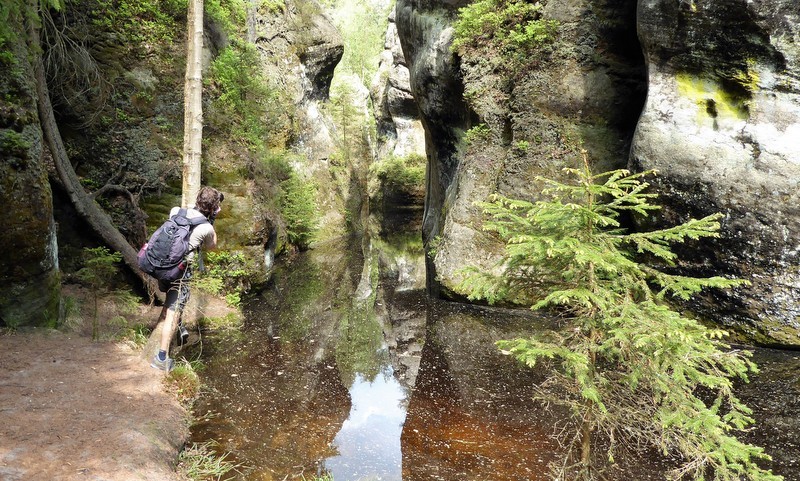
[722,127]
[300,48]
[29,275]
[425,36]
[400,131]
[584,90]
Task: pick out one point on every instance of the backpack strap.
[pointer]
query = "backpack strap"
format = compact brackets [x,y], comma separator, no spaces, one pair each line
[191,222]
[195,221]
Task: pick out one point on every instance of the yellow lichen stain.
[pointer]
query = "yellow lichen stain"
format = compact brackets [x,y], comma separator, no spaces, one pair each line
[713,102]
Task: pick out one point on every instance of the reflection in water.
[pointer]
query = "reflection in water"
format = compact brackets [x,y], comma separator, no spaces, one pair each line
[368,443]
[345,367]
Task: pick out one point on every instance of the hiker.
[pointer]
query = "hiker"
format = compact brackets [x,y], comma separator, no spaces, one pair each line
[203,235]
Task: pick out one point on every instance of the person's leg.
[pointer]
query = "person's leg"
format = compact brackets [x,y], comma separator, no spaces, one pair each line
[161,359]
[168,329]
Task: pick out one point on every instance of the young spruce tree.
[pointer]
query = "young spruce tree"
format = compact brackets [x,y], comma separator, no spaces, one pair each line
[634,371]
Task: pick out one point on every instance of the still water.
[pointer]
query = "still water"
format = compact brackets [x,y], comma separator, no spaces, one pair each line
[344,367]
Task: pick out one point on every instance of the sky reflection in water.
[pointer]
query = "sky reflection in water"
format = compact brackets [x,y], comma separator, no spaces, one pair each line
[368,444]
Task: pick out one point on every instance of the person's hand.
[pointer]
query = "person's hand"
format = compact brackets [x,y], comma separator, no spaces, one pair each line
[213,217]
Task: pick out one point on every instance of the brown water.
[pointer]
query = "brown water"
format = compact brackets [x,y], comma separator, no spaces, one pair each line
[346,368]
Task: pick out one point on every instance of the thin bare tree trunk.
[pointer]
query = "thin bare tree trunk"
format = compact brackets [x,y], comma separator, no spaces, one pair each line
[193,107]
[84,203]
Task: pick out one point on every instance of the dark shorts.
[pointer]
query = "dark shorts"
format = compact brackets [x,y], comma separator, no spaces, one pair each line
[177,292]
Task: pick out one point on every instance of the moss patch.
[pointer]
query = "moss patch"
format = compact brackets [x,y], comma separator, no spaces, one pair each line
[712,99]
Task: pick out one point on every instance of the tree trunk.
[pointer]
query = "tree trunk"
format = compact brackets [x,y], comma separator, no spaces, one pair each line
[84,203]
[586,444]
[193,107]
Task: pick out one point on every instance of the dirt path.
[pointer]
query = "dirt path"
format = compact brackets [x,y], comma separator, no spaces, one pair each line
[73,409]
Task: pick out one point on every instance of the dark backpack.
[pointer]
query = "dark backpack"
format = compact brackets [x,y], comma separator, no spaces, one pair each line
[164,255]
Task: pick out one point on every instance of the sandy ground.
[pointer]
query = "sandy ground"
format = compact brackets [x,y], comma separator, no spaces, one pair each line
[73,409]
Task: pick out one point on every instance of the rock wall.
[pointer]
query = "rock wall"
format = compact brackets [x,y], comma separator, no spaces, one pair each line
[707,93]
[300,48]
[29,276]
[425,34]
[584,92]
[400,131]
[722,127]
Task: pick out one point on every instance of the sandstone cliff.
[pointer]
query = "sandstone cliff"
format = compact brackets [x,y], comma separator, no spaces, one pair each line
[722,126]
[29,274]
[720,123]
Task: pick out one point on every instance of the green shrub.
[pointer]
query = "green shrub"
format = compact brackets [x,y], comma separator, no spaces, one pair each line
[243,103]
[401,173]
[510,28]
[231,15]
[139,22]
[478,134]
[100,265]
[136,336]
[226,273]
[273,6]
[298,208]
[184,381]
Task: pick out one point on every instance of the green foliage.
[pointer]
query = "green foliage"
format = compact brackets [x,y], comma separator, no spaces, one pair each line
[226,273]
[100,265]
[363,28]
[139,22]
[244,104]
[13,144]
[512,28]
[136,336]
[629,365]
[275,165]
[298,208]
[184,381]
[13,14]
[349,122]
[231,15]
[478,134]
[72,313]
[273,6]
[10,15]
[522,146]
[200,462]
[230,321]
[401,173]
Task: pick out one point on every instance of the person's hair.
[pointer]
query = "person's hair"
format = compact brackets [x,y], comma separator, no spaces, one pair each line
[208,200]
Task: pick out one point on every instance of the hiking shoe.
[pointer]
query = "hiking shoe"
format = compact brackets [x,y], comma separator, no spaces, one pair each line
[183,335]
[165,365]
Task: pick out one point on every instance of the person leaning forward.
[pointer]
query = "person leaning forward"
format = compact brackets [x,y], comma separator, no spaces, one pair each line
[207,205]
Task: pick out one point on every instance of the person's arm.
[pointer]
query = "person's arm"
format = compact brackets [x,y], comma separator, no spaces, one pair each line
[211,240]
